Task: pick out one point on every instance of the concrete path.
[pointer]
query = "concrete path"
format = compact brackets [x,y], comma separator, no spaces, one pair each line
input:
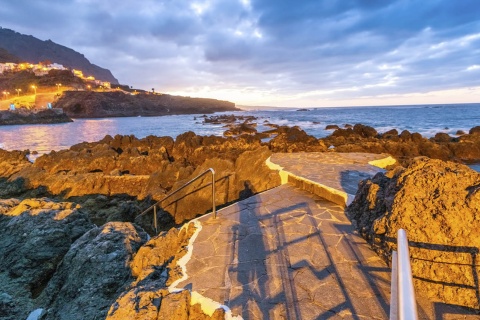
[331,175]
[286,254]
[289,253]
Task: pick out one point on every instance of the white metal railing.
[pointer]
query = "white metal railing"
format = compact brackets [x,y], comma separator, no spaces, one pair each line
[402,300]
[158,203]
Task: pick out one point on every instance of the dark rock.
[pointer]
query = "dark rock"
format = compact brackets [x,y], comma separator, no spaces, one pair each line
[460,132]
[405,135]
[23,116]
[442,137]
[475,130]
[364,131]
[332,127]
[391,135]
[89,104]
[36,234]
[295,139]
[93,273]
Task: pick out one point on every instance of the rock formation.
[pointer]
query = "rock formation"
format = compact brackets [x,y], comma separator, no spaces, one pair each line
[93,273]
[36,234]
[132,170]
[438,204]
[406,145]
[89,104]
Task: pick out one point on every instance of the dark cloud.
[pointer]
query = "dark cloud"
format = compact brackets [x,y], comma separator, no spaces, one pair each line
[313,48]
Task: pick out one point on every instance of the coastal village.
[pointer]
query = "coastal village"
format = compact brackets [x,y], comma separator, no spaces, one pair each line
[261,220]
[34,96]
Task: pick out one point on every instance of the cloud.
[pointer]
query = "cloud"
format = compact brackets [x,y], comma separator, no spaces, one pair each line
[283,49]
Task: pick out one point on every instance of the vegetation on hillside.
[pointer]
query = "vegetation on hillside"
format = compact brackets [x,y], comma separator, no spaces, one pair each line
[6,56]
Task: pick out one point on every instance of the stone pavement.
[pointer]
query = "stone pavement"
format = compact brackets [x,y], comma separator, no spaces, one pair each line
[331,175]
[287,254]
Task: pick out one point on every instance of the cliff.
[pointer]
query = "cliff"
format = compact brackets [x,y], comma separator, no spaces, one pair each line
[89,104]
[33,50]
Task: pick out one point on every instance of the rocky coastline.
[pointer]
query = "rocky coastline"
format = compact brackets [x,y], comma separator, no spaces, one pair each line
[94,104]
[69,219]
[24,116]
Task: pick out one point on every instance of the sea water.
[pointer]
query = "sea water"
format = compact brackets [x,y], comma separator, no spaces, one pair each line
[425,119]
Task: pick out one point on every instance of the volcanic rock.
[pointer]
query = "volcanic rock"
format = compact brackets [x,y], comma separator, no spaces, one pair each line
[89,104]
[332,127]
[36,234]
[93,273]
[294,139]
[155,267]
[437,203]
[22,116]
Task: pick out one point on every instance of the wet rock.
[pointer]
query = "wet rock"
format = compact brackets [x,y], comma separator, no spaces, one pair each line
[332,127]
[437,203]
[93,273]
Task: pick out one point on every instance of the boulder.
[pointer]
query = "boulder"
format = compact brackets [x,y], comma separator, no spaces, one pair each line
[437,203]
[36,234]
[475,130]
[442,137]
[364,131]
[93,273]
[332,127]
[295,139]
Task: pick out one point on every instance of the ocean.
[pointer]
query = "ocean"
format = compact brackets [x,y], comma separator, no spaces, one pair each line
[425,119]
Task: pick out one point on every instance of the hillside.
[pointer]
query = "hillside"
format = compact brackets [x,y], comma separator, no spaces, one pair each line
[33,50]
[89,104]
[6,56]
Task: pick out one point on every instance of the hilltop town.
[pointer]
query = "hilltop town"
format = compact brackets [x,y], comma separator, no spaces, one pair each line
[47,85]
[37,86]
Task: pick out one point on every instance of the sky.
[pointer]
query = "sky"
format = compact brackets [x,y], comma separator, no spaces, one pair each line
[302,53]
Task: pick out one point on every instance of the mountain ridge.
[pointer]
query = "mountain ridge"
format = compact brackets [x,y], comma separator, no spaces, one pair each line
[34,50]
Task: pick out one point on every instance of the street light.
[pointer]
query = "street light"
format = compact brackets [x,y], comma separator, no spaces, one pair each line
[18,92]
[35,88]
[58,86]
[5,94]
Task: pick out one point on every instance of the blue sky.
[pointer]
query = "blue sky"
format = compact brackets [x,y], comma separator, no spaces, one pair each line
[277,52]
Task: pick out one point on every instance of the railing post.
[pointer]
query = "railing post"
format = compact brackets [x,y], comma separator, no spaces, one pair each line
[394,288]
[155,219]
[214,211]
[407,305]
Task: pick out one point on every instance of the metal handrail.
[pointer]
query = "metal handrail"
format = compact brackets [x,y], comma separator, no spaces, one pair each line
[402,301]
[158,203]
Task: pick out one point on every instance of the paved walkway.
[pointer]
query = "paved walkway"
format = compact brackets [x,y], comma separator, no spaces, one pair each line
[331,175]
[290,254]
[285,254]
